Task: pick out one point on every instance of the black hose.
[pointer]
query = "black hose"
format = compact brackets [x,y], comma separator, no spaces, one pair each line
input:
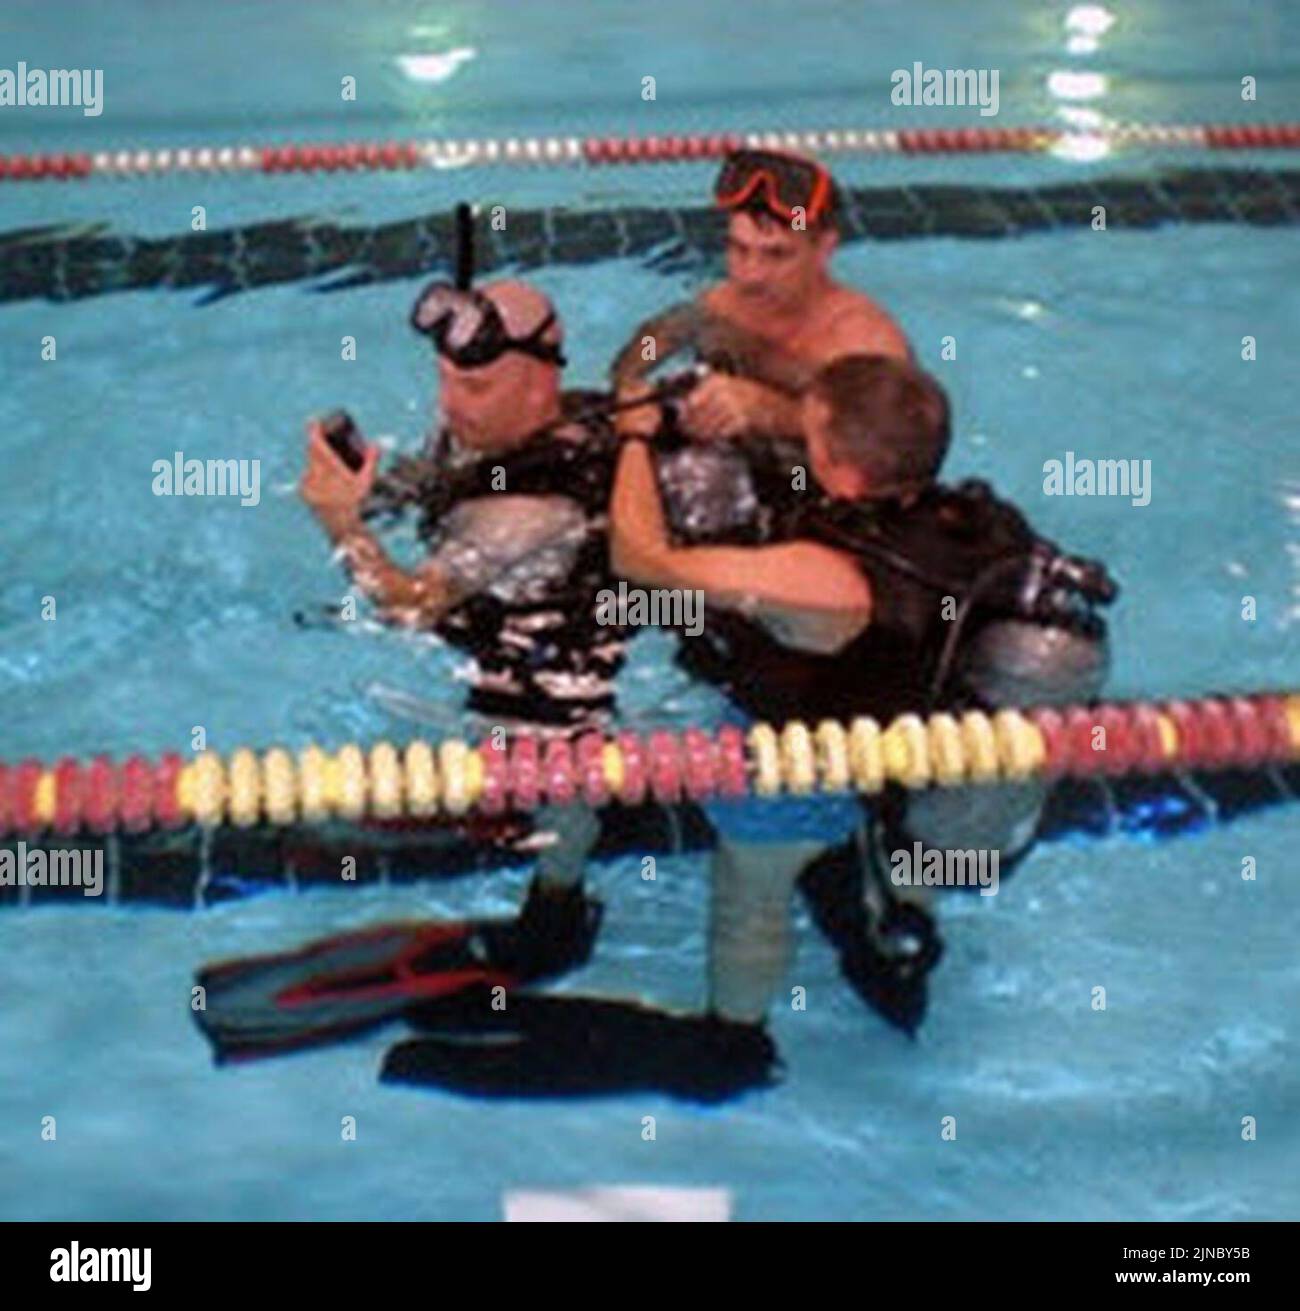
[992,573]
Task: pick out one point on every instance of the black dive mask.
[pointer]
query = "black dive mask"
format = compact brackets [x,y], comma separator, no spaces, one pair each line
[466,328]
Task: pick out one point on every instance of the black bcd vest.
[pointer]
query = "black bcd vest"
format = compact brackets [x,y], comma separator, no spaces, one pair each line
[957,544]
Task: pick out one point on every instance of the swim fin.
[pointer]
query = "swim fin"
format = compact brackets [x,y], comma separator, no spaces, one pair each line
[555,1047]
[887,947]
[344,985]
[888,965]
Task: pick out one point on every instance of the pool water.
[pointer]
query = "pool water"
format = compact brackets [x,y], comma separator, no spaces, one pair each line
[174,613]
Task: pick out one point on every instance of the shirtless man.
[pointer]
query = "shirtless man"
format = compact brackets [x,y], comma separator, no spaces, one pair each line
[775,321]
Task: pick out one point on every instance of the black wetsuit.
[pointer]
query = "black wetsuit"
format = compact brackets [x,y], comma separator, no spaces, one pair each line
[542,654]
[524,534]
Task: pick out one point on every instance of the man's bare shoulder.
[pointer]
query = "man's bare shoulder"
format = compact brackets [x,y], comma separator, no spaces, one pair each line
[850,314]
[840,299]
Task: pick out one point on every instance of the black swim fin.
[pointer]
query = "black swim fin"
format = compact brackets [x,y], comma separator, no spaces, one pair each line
[888,965]
[353,982]
[554,1047]
[887,947]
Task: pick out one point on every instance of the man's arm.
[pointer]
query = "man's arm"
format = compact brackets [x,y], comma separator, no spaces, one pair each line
[765,402]
[757,394]
[497,533]
[336,496]
[670,331]
[800,585]
[413,599]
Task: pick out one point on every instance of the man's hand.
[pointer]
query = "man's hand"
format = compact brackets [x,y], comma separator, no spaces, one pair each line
[723,407]
[334,493]
[641,420]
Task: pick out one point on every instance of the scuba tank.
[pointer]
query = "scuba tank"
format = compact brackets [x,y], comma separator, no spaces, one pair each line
[1022,605]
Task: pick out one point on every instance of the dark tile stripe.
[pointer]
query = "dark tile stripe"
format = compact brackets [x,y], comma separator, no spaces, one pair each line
[49,263]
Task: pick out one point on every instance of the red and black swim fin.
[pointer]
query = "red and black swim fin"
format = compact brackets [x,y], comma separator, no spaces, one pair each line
[348,984]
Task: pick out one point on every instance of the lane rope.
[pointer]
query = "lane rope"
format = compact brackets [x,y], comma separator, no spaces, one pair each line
[399,156]
[424,780]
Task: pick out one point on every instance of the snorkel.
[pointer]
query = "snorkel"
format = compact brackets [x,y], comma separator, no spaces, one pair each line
[464,266]
[468,327]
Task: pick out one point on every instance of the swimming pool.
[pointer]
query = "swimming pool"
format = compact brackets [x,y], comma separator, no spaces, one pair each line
[176,612]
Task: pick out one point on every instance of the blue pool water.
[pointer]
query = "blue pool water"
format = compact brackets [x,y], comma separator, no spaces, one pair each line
[174,613]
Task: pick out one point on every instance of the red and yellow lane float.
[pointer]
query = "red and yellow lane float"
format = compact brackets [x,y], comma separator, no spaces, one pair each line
[424,781]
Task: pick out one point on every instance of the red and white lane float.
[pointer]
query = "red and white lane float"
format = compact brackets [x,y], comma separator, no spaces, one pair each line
[400,156]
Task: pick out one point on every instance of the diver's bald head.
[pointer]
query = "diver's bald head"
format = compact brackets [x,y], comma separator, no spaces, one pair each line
[522,308]
[493,407]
